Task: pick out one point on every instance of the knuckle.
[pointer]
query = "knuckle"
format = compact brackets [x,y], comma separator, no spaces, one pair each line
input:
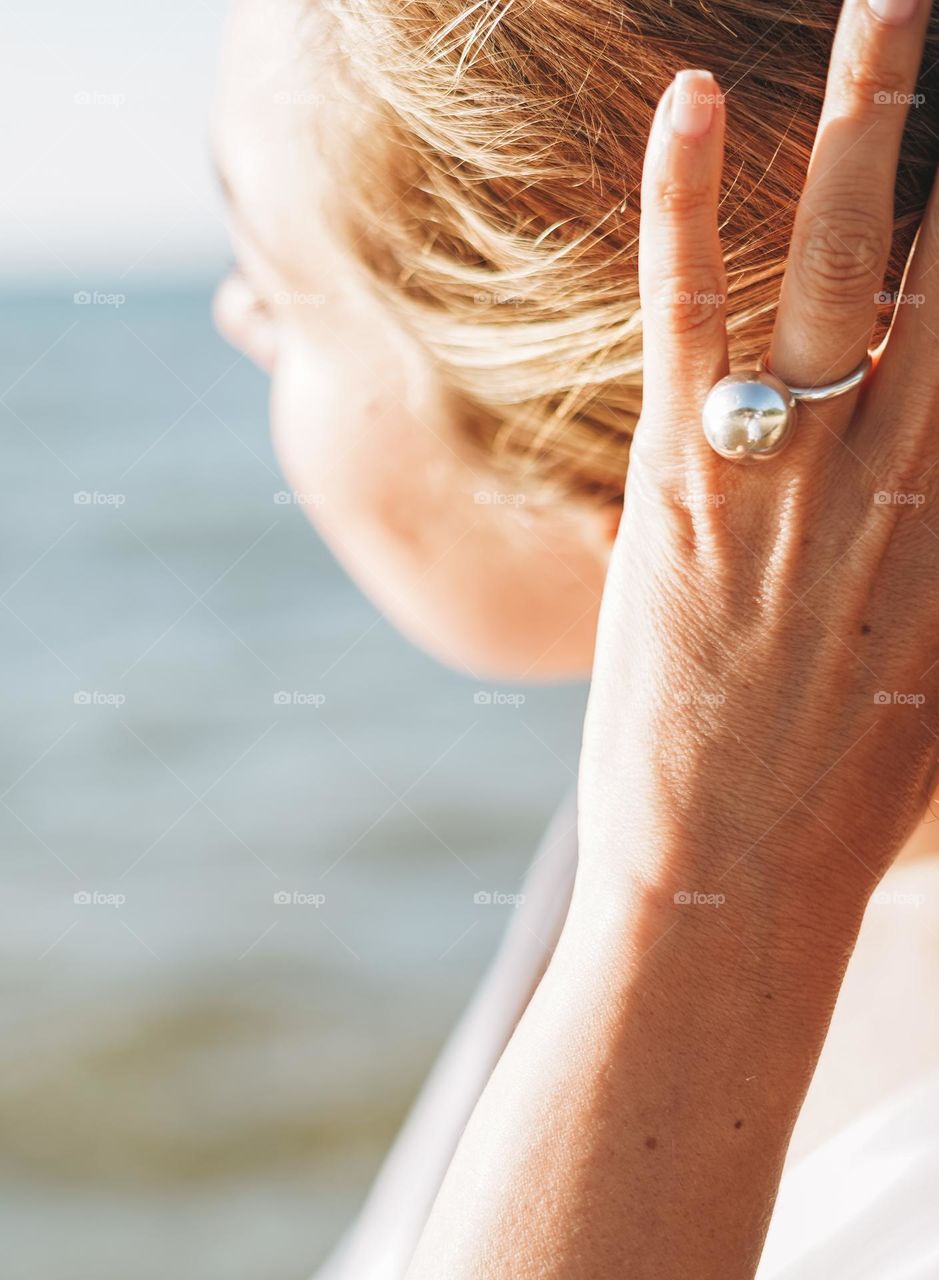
[840,256]
[681,200]
[689,301]
[903,484]
[867,84]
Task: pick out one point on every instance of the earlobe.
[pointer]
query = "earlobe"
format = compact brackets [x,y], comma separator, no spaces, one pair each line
[611,516]
[599,529]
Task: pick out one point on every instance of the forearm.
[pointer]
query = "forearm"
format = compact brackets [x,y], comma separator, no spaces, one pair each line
[638,1120]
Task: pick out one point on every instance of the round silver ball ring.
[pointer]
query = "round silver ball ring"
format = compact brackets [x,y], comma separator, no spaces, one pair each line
[750,416]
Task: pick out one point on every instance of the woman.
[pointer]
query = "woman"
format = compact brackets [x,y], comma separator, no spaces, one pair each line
[462,188]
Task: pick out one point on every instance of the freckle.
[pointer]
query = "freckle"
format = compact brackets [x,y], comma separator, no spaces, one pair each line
[865,629]
[769,995]
[738,1124]
[652,1143]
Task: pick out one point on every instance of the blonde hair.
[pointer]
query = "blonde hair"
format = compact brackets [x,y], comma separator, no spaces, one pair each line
[491,175]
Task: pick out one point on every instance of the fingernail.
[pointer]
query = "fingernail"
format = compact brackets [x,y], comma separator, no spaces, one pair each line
[694,94]
[894,11]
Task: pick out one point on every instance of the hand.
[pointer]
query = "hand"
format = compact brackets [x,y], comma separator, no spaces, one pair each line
[764,705]
[762,730]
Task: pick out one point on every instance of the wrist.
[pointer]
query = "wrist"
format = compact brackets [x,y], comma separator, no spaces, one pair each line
[715,930]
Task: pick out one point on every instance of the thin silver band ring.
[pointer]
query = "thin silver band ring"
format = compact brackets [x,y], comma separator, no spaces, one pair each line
[813,395]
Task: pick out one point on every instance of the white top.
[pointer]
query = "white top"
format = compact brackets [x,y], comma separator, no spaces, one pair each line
[865,1205]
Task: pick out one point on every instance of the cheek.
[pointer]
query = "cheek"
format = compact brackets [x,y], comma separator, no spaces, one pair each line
[388,491]
[361,467]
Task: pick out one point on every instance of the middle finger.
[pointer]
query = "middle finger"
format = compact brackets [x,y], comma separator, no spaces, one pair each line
[844,223]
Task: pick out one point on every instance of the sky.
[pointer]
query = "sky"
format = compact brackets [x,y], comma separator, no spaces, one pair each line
[104,147]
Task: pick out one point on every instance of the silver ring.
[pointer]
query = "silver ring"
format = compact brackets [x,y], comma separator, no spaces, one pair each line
[832,389]
[750,416]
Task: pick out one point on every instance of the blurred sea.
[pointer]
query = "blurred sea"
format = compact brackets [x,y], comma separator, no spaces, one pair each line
[197,1081]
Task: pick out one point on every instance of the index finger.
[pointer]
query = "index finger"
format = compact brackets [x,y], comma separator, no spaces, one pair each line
[682,285]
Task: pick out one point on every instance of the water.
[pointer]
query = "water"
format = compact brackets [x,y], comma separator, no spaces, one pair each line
[197,1080]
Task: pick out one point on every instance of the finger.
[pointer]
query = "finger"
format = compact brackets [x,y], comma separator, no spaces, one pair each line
[844,223]
[906,389]
[681,271]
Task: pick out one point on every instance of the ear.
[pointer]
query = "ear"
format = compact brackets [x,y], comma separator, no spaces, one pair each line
[599,525]
[611,514]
